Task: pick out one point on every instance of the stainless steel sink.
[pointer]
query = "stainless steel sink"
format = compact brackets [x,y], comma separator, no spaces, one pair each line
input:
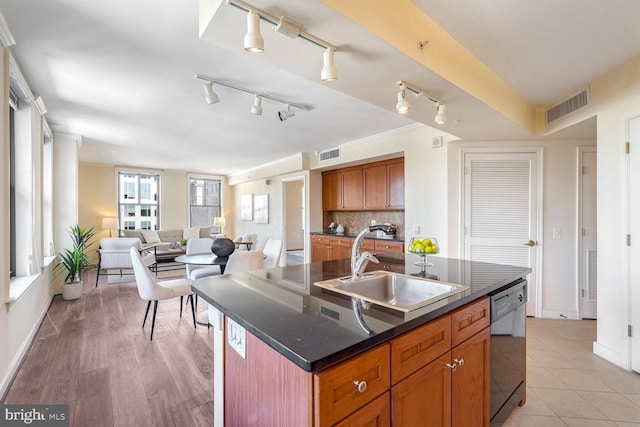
[393,290]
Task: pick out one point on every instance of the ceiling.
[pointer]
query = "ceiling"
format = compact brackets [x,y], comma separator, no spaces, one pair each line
[122,74]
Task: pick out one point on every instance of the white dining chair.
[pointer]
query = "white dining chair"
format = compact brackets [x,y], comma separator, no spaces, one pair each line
[272,250]
[150,289]
[197,246]
[244,261]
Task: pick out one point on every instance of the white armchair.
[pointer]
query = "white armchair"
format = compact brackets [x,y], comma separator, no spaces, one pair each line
[249,240]
[114,255]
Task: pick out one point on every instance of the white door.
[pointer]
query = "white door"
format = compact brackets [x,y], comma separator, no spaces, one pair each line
[587,233]
[634,249]
[501,212]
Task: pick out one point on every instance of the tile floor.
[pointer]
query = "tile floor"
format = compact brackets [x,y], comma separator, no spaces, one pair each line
[567,385]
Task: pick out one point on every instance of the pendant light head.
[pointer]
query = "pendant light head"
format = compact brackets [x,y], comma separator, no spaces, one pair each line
[257,106]
[329,71]
[209,95]
[402,106]
[441,116]
[253,41]
[285,114]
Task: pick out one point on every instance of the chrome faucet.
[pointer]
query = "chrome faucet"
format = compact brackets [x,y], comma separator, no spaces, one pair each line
[359,261]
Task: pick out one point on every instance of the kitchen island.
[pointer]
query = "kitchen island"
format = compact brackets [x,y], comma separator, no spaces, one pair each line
[286,350]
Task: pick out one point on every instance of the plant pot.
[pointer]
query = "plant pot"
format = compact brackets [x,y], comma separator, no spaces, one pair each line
[72,291]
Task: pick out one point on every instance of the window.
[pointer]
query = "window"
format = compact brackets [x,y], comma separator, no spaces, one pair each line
[12,192]
[138,200]
[204,201]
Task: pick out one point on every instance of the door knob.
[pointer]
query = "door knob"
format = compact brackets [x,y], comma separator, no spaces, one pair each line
[530,243]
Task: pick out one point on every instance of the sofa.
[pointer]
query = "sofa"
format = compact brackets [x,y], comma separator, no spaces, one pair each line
[166,243]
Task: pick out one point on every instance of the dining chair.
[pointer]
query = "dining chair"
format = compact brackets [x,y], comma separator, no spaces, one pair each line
[150,289]
[272,250]
[197,246]
[244,261]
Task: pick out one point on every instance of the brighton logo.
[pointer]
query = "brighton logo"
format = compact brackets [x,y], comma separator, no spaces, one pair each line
[36,415]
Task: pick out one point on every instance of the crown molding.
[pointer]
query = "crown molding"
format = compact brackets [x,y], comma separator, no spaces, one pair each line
[6,38]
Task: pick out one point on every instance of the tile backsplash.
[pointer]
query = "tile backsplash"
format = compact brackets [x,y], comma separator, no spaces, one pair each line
[354,221]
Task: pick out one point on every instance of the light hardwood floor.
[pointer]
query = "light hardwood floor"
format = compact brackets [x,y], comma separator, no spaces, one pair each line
[94,355]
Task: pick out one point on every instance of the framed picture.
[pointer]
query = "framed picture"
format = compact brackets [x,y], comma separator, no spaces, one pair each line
[246,207]
[261,209]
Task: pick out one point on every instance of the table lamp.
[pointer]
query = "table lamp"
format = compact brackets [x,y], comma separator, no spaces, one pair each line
[220,222]
[110,223]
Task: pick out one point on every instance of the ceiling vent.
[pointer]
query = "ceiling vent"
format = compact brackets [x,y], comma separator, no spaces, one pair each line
[329,154]
[568,106]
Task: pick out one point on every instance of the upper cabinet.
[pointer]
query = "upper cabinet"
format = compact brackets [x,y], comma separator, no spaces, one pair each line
[373,186]
[384,186]
[342,190]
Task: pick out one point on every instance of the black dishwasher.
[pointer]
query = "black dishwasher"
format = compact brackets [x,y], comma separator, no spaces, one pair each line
[508,350]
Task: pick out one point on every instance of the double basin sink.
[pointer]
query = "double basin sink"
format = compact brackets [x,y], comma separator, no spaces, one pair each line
[393,290]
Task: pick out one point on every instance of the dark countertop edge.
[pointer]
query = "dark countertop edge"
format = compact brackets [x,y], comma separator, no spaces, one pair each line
[400,239]
[366,343]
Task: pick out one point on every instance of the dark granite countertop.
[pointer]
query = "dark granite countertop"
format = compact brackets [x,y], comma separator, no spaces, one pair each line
[315,328]
[371,236]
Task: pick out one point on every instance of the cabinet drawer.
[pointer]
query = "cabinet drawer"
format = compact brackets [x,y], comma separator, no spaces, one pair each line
[336,392]
[319,239]
[415,349]
[469,320]
[376,413]
[382,246]
[368,245]
[341,241]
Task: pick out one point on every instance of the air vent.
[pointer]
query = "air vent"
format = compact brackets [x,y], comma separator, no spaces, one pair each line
[329,154]
[576,102]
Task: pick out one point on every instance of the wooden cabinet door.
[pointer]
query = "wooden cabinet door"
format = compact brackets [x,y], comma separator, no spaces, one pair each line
[352,190]
[319,248]
[469,320]
[374,414]
[424,398]
[375,187]
[395,186]
[331,191]
[470,381]
[340,247]
[383,246]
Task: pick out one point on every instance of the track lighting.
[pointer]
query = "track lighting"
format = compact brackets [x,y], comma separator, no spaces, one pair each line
[285,114]
[257,106]
[329,72]
[403,107]
[441,116]
[253,41]
[210,96]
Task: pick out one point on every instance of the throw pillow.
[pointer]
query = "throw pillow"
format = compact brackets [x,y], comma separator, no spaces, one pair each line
[191,233]
[150,236]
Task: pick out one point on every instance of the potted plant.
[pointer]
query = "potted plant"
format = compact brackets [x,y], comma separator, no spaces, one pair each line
[74,261]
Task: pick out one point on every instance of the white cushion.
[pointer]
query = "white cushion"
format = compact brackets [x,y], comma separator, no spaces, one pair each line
[191,233]
[150,236]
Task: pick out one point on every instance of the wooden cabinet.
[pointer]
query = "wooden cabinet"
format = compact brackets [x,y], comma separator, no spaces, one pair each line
[342,190]
[319,248]
[374,414]
[340,247]
[327,248]
[343,389]
[440,371]
[374,186]
[383,246]
[384,186]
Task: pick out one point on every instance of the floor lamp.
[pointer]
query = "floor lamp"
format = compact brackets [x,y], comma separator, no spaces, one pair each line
[110,223]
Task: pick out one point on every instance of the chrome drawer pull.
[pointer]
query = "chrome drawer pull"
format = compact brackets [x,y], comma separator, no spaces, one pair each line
[459,362]
[453,367]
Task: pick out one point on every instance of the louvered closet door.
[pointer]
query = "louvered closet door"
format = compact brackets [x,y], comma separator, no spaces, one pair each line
[500,212]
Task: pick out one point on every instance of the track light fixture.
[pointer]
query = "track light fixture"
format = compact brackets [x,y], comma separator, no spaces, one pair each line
[212,98]
[257,106]
[285,114]
[253,41]
[441,115]
[403,107]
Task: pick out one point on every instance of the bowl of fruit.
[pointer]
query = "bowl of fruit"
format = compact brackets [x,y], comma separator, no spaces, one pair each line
[423,246]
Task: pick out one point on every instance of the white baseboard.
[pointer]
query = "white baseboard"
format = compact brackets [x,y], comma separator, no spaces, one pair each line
[24,348]
[610,355]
